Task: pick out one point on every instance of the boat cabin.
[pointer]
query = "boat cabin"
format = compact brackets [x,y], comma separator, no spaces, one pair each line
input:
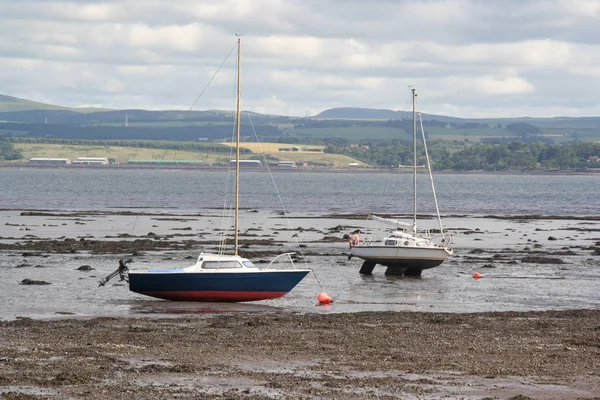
[402,239]
[214,262]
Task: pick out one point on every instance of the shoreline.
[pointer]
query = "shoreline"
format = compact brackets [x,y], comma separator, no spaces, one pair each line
[525,355]
[295,170]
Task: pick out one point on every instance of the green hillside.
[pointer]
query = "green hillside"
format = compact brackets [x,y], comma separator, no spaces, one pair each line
[24,118]
[11,104]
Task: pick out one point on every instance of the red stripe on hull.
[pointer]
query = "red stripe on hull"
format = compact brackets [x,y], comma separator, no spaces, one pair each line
[214,295]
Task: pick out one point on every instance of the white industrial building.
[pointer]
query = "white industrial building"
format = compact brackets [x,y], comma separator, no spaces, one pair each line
[246,163]
[91,160]
[50,161]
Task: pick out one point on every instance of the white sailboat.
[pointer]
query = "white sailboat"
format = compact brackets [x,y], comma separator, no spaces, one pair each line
[406,250]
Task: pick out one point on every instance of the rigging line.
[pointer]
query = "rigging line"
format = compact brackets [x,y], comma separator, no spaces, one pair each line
[211,79]
[162,158]
[294,235]
[228,209]
[437,210]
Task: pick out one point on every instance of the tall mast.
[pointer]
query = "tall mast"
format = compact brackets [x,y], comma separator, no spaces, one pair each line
[237,145]
[414,95]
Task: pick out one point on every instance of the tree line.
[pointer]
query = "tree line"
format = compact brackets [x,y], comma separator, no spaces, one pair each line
[148,144]
[456,155]
[172,133]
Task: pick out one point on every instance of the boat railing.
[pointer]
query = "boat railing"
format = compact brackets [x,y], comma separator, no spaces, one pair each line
[445,238]
[289,256]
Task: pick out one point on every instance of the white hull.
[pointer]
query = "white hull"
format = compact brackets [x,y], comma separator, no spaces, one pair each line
[399,253]
[403,260]
[395,254]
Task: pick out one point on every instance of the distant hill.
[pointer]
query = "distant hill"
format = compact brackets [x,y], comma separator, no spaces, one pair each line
[354,113]
[11,104]
[24,118]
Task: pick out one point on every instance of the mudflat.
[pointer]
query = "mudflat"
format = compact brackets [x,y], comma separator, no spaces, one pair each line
[383,355]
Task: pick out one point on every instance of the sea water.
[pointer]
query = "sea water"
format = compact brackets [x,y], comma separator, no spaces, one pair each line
[339,192]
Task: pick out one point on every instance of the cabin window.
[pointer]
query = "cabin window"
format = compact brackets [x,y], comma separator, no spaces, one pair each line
[249,264]
[391,242]
[221,265]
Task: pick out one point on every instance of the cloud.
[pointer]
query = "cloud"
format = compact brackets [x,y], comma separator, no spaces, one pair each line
[466,57]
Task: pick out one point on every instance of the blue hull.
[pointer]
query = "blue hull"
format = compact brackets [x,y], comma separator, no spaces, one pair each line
[219,286]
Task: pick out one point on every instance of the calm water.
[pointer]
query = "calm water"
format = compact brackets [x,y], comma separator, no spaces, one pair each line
[300,192]
[448,288]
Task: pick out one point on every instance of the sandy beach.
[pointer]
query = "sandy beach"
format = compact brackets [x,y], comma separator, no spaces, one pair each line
[379,355]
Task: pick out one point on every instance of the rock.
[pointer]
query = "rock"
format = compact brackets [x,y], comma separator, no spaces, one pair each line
[542,260]
[85,268]
[330,239]
[552,238]
[33,282]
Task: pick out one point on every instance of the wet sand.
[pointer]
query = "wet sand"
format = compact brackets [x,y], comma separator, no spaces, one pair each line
[383,355]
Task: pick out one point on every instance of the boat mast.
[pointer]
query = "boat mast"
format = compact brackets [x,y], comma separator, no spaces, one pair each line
[414,95]
[237,146]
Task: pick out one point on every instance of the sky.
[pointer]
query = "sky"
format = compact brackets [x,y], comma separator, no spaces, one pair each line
[466,58]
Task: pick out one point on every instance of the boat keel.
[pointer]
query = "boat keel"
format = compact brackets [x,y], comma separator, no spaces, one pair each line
[367,268]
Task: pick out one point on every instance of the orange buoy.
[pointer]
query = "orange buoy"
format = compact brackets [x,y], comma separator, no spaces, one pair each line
[476,275]
[324,298]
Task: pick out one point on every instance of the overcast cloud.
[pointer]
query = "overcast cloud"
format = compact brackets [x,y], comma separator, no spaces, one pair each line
[467,58]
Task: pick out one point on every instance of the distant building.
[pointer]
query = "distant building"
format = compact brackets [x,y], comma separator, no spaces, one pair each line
[353,165]
[91,161]
[196,163]
[287,164]
[246,163]
[50,161]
